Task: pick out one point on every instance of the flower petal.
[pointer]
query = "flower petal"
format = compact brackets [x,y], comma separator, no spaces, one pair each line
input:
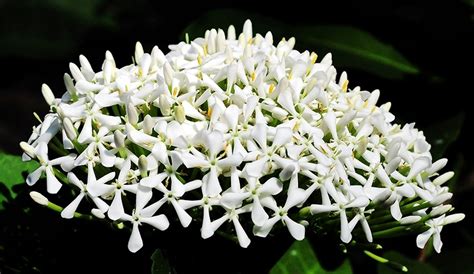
[68,212]
[296,230]
[135,242]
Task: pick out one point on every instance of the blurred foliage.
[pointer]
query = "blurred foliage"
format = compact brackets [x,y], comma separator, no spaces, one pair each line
[160,264]
[11,169]
[351,47]
[414,266]
[49,28]
[300,258]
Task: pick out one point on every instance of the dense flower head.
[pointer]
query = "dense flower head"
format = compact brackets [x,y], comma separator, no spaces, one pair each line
[242,136]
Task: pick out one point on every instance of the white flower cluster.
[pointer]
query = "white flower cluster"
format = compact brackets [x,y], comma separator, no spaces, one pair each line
[231,128]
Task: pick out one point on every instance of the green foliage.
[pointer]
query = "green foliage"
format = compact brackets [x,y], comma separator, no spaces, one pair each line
[160,264]
[11,169]
[414,266]
[352,47]
[300,258]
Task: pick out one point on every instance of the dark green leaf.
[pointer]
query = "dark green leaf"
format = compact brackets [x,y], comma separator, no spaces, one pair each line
[300,258]
[414,266]
[355,48]
[351,47]
[160,264]
[444,133]
[11,168]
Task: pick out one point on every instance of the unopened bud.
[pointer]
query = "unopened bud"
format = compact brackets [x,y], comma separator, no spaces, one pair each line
[39,198]
[119,139]
[28,149]
[97,213]
[138,52]
[148,125]
[47,94]
[143,165]
[69,128]
[409,220]
[440,210]
[443,178]
[441,199]
[179,114]
[132,114]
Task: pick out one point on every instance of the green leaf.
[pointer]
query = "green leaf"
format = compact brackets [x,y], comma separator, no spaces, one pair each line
[355,48]
[444,133]
[160,264]
[11,169]
[351,47]
[300,258]
[414,266]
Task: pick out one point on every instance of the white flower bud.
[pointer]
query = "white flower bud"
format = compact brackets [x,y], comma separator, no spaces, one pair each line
[138,52]
[231,33]
[28,149]
[441,199]
[143,165]
[97,213]
[119,139]
[132,114]
[409,220]
[179,114]
[168,74]
[148,125]
[47,94]
[454,218]
[440,210]
[69,128]
[70,85]
[76,72]
[443,178]
[39,198]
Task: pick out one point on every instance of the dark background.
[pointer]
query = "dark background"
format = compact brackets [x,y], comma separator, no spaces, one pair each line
[39,38]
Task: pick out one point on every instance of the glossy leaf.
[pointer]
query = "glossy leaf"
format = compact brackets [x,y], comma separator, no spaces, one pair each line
[300,258]
[351,47]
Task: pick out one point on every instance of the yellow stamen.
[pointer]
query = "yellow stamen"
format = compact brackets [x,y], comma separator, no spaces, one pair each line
[253,76]
[271,88]
[344,85]
[314,57]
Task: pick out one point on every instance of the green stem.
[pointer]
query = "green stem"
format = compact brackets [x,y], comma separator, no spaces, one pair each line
[383,260]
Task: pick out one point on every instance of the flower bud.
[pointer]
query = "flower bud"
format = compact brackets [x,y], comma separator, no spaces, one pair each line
[143,165]
[119,139]
[443,178]
[28,149]
[440,210]
[69,128]
[132,114]
[138,52]
[47,94]
[97,213]
[39,198]
[179,114]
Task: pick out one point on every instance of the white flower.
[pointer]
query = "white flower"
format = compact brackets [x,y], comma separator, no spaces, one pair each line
[68,212]
[142,214]
[52,183]
[435,227]
[281,213]
[233,123]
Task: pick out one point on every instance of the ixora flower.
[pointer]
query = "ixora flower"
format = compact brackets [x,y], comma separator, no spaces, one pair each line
[244,137]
